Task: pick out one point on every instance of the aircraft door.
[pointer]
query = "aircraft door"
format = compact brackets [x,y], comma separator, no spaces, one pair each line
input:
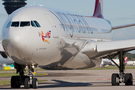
[53,25]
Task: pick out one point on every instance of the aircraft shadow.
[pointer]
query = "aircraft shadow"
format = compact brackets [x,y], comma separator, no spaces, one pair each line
[60,83]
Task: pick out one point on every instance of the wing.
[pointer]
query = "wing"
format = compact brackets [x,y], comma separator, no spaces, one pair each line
[103,49]
[124,45]
[122,26]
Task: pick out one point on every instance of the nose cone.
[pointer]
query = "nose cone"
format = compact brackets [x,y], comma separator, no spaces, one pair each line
[17,38]
[15,43]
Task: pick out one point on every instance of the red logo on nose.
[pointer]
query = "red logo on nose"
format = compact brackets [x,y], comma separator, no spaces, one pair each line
[46,35]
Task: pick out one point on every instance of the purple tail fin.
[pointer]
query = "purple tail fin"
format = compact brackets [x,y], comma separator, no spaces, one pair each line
[98,9]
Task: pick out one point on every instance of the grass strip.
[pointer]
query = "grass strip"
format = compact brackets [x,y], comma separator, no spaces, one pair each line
[25,69]
[8,74]
[110,67]
[4,83]
[14,74]
[97,68]
[7,70]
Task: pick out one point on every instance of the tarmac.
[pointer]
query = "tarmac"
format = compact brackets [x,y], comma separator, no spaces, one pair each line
[76,80]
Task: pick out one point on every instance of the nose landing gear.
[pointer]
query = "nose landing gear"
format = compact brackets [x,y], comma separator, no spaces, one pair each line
[28,81]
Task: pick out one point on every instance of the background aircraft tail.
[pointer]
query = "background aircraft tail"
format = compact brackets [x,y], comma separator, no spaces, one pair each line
[125,59]
[98,9]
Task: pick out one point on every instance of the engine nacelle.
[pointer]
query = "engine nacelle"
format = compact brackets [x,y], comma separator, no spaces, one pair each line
[80,61]
[4,55]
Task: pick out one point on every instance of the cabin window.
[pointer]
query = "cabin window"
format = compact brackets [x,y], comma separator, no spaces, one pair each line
[24,23]
[8,25]
[15,24]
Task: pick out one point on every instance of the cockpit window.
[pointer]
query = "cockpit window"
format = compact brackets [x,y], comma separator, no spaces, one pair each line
[37,24]
[24,23]
[8,25]
[15,24]
[33,24]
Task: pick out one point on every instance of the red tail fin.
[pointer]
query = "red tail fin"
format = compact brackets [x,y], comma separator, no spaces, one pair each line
[98,9]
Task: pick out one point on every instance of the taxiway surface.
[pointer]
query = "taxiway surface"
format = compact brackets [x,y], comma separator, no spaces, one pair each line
[77,80]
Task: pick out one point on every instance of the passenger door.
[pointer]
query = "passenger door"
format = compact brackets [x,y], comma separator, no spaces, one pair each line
[53,25]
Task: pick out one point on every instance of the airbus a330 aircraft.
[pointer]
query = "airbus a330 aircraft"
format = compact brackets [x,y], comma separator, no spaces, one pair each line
[54,39]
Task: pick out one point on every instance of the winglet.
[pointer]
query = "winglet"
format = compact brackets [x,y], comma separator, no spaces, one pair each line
[98,9]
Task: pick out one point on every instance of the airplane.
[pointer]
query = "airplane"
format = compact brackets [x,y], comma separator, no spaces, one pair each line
[5,61]
[55,39]
[130,63]
[106,62]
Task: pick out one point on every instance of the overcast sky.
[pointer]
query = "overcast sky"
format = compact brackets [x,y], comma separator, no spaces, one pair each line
[119,12]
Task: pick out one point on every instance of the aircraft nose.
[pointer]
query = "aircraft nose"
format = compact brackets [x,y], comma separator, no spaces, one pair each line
[15,43]
[11,38]
[16,38]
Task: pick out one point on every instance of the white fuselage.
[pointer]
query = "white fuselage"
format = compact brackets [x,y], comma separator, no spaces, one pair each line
[130,63]
[58,40]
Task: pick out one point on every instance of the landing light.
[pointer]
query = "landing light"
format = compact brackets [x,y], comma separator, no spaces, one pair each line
[94,49]
[33,66]
[75,44]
